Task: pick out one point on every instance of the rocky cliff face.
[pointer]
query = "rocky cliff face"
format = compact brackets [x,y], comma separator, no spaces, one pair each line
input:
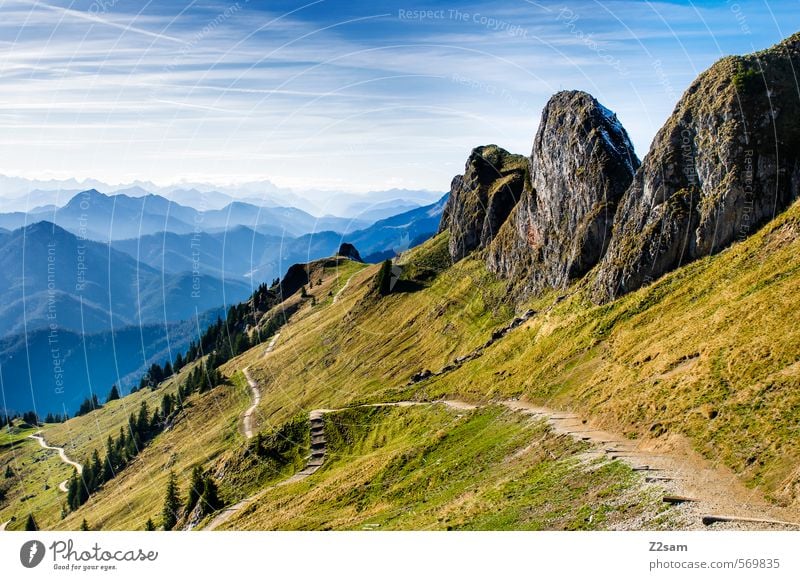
[349,251]
[725,162]
[481,199]
[581,164]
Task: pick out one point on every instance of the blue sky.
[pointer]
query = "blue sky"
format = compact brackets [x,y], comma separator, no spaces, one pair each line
[335,94]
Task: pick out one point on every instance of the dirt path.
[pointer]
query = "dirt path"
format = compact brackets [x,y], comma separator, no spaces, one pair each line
[342,289]
[247,418]
[318,451]
[62,454]
[3,525]
[706,494]
[271,344]
[713,491]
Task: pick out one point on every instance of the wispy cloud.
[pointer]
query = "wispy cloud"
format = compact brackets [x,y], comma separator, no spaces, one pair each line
[342,95]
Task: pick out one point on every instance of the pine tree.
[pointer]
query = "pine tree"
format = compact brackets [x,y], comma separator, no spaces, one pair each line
[210,501]
[143,422]
[30,524]
[113,395]
[97,470]
[72,492]
[112,462]
[84,526]
[167,403]
[383,281]
[196,488]
[242,343]
[89,477]
[9,471]
[132,446]
[149,526]
[155,423]
[172,503]
[122,442]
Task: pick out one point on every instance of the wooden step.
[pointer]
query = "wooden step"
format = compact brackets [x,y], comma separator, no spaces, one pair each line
[713,519]
[678,499]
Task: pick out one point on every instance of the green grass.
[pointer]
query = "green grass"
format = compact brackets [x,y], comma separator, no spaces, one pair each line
[433,468]
[33,487]
[705,358]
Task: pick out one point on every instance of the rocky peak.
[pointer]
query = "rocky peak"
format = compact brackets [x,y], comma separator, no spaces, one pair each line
[481,199]
[724,163]
[581,164]
[349,251]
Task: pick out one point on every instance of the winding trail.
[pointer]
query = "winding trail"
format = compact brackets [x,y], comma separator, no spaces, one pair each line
[342,289]
[689,480]
[318,451]
[3,525]
[247,418]
[704,490]
[62,454]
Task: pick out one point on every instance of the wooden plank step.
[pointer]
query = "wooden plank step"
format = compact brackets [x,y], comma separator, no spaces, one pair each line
[713,519]
[678,499]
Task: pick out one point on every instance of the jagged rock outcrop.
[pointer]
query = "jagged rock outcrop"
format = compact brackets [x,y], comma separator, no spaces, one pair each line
[581,164]
[349,251]
[724,163]
[295,278]
[482,198]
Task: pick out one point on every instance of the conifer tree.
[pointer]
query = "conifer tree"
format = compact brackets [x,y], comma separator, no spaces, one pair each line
[97,467]
[172,503]
[113,395]
[149,526]
[166,405]
[31,525]
[112,462]
[143,422]
[384,278]
[89,477]
[210,501]
[155,423]
[84,526]
[72,492]
[196,488]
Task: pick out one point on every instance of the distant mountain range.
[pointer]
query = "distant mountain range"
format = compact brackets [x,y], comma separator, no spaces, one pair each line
[49,276]
[113,300]
[247,254]
[25,195]
[97,216]
[55,372]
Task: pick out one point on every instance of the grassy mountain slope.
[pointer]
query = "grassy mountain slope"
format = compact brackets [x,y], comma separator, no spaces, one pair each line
[435,468]
[705,359]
